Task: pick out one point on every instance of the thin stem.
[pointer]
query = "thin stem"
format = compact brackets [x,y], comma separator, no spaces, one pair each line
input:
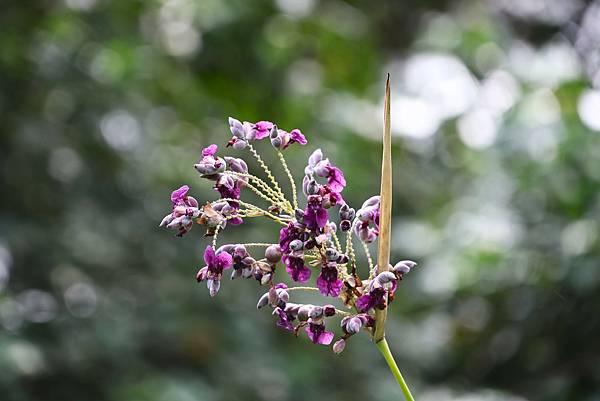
[368,254]
[276,197]
[383,347]
[256,209]
[289,174]
[302,289]
[269,174]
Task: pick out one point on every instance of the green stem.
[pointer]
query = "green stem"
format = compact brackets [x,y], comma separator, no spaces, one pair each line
[389,358]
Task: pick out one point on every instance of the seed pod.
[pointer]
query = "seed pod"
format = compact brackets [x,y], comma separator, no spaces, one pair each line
[273,253]
[339,346]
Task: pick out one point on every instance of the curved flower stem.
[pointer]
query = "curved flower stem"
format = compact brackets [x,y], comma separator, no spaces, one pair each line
[302,289]
[289,174]
[383,347]
[270,175]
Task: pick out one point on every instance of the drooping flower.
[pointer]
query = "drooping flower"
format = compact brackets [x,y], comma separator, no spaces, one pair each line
[328,281]
[317,333]
[295,267]
[263,128]
[281,139]
[285,319]
[216,262]
[366,225]
[315,216]
[376,298]
[210,165]
[185,210]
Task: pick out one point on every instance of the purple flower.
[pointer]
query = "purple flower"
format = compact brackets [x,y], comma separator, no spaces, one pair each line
[366,216]
[285,319]
[373,299]
[210,150]
[178,196]
[288,234]
[212,272]
[210,165]
[296,269]
[328,281]
[185,210]
[281,139]
[317,333]
[384,283]
[335,179]
[315,216]
[263,128]
[320,167]
[228,186]
[296,136]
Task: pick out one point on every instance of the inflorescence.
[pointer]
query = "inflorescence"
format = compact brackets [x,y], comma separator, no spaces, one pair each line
[308,241]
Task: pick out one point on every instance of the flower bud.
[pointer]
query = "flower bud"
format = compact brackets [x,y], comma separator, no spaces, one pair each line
[312,188]
[299,215]
[304,312]
[339,346]
[283,295]
[346,212]
[321,169]
[345,225]
[213,286]
[273,253]
[316,312]
[353,325]
[263,301]
[296,245]
[237,165]
[236,128]
[239,144]
[329,310]
[332,254]
[404,266]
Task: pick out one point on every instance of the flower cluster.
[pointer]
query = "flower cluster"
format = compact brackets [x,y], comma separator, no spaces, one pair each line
[308,240]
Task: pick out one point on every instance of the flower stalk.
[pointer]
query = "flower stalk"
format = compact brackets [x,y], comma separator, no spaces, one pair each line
[383,347]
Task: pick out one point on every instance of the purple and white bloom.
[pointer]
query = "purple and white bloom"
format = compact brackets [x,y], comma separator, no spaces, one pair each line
[210,165]
[216,262]
[376,296]
[185,210]
[281,139]
[323,168]
[243,263]
[263,129]
[366,225]
[285,319]
[315,216]
[328,281]
[353,324]
[296,268]
[317,333]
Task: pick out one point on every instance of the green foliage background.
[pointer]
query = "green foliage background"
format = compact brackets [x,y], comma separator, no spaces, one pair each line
[105,105]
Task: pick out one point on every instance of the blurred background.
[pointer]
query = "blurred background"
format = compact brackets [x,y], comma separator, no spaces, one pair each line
[105,105]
